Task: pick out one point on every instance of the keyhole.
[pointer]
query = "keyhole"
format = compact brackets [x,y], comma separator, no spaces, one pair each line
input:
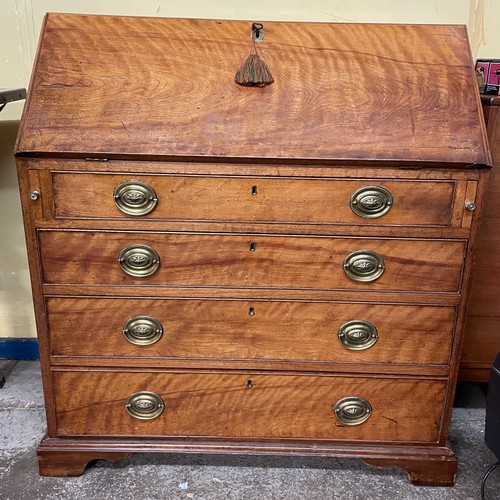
[254,190]
[251,311]
[257,32]
[252,246]
[249,384]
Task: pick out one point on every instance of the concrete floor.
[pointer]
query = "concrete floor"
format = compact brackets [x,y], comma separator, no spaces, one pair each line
[164,476]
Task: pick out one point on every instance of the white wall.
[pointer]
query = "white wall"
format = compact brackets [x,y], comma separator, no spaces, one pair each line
[20,24]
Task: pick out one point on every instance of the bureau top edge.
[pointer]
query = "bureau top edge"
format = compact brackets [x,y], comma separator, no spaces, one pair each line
[251,160]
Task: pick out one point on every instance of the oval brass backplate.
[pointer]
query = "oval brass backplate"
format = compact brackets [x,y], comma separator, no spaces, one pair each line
[364,265]
[135,198]
[358,335]
[144,405]
[352,410]
[139,261]
[143,330]
[371,202]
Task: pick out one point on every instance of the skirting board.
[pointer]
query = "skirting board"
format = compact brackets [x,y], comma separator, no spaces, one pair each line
[19,349]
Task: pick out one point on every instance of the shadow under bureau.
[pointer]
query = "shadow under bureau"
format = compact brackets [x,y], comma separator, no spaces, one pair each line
[266,270]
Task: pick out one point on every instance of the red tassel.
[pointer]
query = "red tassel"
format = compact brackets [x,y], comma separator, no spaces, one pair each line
[254,72]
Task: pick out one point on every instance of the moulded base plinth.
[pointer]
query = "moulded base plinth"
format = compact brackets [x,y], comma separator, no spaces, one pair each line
[425,465]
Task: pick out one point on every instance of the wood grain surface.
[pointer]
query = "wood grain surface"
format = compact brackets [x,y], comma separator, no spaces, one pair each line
[118,86]
[73,257]
[275,331]
[418,203]
[222,404]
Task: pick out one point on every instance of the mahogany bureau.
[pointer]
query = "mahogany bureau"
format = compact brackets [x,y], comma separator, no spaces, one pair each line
[241,269]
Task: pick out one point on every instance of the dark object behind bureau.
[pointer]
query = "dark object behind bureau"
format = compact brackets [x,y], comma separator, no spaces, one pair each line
[492,434]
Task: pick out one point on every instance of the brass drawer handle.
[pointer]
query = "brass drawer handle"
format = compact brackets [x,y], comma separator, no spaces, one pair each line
[364,265]
[352,410]
[371,202]
[142,330]
[139,261]
[135,198]
[144,405]
[358,335]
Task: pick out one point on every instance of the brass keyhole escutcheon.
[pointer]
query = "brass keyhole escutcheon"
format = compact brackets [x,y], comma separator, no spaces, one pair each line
[251,311]
[249,384]
[254,190]
[253,246]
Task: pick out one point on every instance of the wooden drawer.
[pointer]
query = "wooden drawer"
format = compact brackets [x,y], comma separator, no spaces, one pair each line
[258,199]
[237,330]
[81,257]
[244,405]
